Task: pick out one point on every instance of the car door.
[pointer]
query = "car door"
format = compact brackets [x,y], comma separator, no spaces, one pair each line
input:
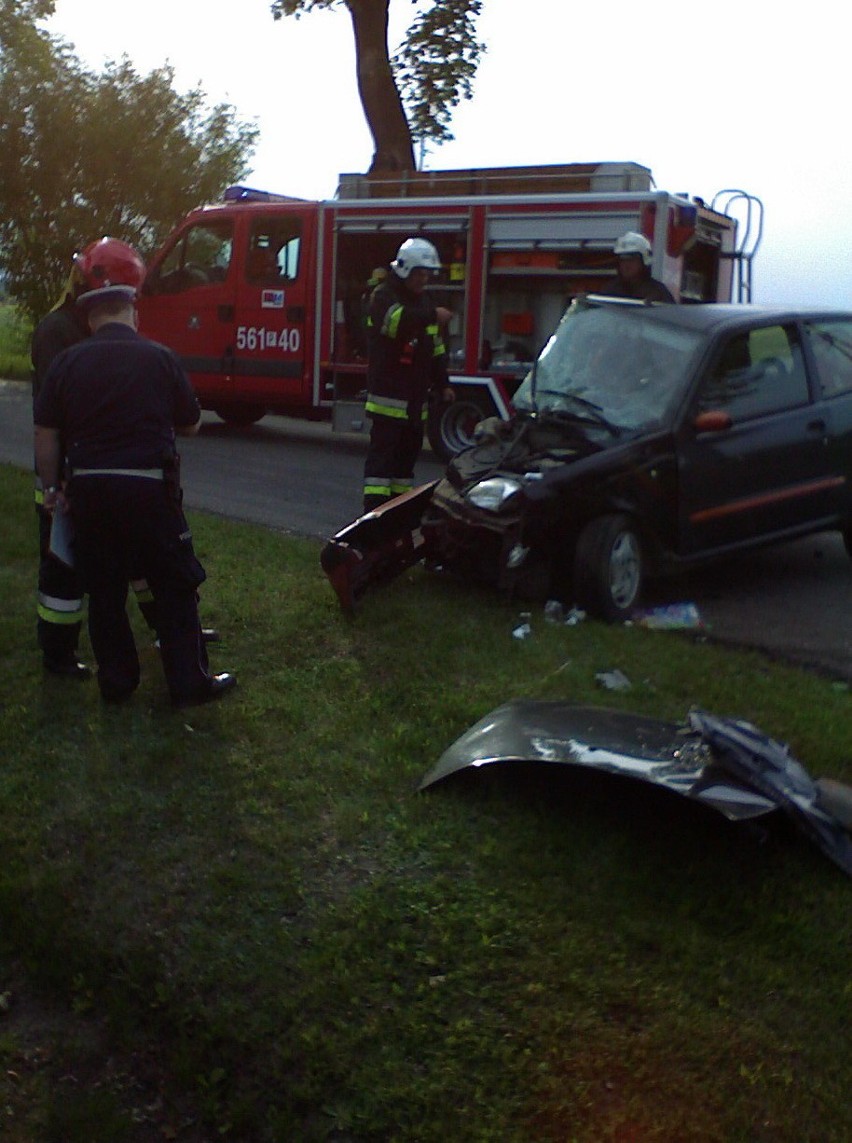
[188,300]
[271,336]
[828,344]
[753,456]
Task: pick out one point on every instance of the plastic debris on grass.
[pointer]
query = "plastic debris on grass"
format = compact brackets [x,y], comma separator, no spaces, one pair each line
[524,627]
[672,617]
[614,680]
[554,612]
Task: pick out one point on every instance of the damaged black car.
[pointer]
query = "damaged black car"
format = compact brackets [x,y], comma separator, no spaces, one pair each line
[645,439]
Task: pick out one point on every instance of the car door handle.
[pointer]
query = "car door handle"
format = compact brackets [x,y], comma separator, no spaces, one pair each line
[817,426]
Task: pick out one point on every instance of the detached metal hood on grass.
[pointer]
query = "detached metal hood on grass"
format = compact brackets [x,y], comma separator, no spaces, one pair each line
[726,764]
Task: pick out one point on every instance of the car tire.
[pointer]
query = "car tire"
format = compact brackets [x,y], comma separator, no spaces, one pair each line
[450,426]
[609,568]
[240,416]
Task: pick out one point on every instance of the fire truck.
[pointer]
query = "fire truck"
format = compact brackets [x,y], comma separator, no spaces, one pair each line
[263,296]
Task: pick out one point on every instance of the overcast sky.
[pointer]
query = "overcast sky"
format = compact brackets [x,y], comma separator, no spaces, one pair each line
[750,97]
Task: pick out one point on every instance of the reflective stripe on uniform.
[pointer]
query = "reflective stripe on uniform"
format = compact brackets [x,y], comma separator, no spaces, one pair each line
[400,485]
[438,347]
[375,487]
[144,473]
[386,406]
[142,591]
[391,320]
[54,610]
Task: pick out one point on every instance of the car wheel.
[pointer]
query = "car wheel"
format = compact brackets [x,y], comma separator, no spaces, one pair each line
[609,568]
[450,427]
[239,415]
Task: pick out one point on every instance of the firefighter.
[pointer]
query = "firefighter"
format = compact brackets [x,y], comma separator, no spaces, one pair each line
[359,316]
[60,596]
[633,280]
[407,363]
[116,400]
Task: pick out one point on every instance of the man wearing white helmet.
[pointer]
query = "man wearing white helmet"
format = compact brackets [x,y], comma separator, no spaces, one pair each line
[633,259]
[407,362]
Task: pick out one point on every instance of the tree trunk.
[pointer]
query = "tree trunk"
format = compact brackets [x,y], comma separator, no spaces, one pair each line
[378,91]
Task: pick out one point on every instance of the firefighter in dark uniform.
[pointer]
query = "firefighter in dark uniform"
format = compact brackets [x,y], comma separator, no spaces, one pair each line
[60,596]
[407,362]
[633,252]
[116,401]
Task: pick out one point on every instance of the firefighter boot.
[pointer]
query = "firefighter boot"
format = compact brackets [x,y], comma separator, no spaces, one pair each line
[71,668]
[59,650]
[184,658]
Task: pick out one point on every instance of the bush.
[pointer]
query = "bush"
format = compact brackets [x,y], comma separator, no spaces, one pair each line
[15,334]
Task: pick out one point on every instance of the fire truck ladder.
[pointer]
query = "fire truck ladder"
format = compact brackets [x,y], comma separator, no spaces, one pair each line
[750,217]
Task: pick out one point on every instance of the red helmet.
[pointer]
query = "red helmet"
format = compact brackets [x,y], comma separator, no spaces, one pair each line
[109,268]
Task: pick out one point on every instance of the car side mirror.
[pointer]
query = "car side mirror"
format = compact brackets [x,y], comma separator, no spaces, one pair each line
[713,421]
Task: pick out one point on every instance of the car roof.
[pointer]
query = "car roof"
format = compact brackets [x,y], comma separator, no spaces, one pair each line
[710,316]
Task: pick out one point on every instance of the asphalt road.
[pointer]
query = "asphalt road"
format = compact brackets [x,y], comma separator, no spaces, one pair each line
[794,601]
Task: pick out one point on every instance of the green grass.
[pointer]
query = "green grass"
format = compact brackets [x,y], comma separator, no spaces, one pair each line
[243,923]
[15,335]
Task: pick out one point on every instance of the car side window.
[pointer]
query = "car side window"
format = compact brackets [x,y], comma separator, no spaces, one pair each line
[200,257]
[831,345]
[273,254]
[757,372]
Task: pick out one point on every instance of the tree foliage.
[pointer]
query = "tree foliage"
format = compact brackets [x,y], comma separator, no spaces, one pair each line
[83,154]
[410,95]
[435,66]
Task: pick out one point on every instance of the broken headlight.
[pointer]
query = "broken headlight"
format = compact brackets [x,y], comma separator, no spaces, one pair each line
[492,494]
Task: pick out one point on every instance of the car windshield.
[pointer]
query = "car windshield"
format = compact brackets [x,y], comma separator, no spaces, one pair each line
[611,366]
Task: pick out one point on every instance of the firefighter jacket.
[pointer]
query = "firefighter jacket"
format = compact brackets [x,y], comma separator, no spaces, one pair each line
[117,397]
[407,356]
[644,289]
[64,326]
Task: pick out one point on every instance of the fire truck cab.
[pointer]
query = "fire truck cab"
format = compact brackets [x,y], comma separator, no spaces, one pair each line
[262,296]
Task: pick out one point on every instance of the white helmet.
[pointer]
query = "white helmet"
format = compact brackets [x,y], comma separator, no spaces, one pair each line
[413,254]
[634,243]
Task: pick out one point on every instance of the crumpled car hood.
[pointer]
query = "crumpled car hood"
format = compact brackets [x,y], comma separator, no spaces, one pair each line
[725,764]
[518,447]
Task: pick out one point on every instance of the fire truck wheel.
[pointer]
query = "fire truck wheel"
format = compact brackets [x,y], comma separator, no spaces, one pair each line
[450,427]
[609,568]
[238,415]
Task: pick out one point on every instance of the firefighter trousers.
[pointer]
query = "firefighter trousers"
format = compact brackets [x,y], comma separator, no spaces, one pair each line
[126,526]
[395,444]
[60,601]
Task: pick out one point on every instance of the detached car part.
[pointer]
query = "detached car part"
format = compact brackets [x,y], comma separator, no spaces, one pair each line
[725,764]
[377,547]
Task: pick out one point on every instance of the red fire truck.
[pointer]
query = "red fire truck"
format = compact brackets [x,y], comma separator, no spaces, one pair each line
[262,295]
